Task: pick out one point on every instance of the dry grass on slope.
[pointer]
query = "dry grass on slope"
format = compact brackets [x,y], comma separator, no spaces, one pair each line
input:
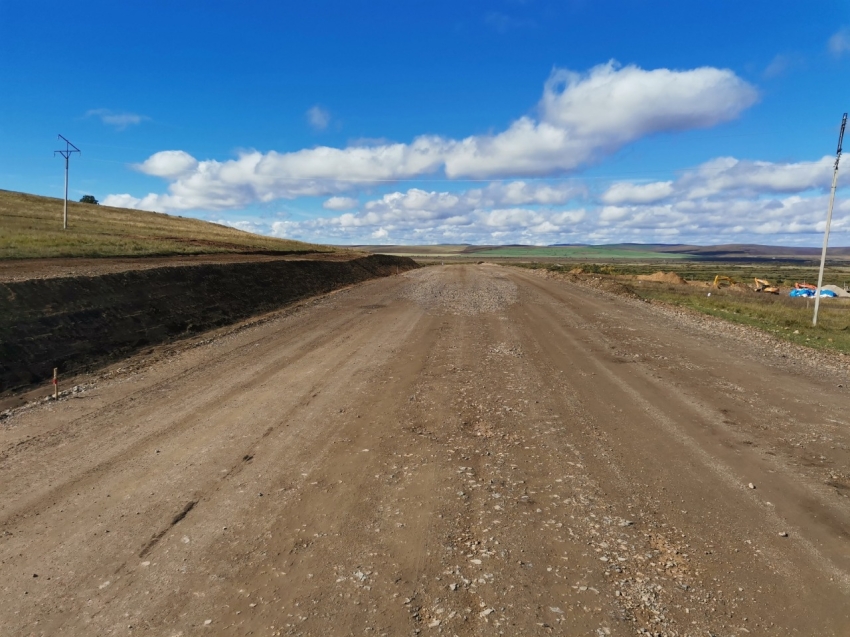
[31,227]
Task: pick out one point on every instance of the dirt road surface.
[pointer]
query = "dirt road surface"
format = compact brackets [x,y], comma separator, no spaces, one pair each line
[468,450]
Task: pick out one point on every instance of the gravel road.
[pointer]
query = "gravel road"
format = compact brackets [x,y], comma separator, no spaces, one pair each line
[460,450]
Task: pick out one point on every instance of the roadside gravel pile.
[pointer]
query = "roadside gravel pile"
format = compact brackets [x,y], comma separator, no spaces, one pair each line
[662,277]
[462,298]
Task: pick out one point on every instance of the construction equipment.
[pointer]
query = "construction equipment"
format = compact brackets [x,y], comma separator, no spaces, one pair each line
[763,285]
[720,278]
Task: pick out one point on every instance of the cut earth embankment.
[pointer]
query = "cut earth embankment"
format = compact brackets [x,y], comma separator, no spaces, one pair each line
[79,323]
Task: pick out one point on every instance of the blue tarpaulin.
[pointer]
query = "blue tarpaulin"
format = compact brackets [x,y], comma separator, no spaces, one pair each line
[811,293]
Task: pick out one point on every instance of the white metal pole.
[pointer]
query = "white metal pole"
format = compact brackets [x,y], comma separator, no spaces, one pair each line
[828,220]
[65,210]
[825,242]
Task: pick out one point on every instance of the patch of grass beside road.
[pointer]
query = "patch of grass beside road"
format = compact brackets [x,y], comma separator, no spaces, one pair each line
[782,316]
[31,227]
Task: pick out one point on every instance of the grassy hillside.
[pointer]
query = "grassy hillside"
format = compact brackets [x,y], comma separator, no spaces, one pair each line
[31,227]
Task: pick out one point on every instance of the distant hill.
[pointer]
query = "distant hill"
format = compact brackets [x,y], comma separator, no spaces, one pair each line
[638,251]
[31,227]
[733,251]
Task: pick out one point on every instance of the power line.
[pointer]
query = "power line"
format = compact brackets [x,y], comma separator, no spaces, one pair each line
[66,153]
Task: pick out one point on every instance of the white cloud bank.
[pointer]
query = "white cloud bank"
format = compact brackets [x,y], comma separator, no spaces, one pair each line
[582,118]
[729,177]
[721,201]
[725,200]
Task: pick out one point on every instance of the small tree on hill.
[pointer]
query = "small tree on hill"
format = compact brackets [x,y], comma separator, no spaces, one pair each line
[89,199]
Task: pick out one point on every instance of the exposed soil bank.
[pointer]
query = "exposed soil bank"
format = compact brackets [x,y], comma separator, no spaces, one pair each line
[14,270]
[78,323]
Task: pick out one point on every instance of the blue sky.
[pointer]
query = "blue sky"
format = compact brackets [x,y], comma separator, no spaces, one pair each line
[508,121]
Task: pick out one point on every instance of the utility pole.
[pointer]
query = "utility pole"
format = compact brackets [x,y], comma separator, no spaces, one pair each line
[828,219]
[66,153]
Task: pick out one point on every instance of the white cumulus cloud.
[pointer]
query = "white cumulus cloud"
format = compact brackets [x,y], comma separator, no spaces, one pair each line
[725,200]
[340,203]
[518,210]
[242,224]
[170,164]
[625,192]
[318,117]
[151,202]
[839,42]
[729,175]
[119,121]
[582,118]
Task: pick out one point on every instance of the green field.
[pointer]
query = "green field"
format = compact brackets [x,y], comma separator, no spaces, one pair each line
[592,253]
[439,251]
[837,272]
[465,252]
[31,227]
[629,253]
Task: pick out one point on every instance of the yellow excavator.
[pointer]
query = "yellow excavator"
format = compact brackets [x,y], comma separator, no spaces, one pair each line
[720,279]
[763,285]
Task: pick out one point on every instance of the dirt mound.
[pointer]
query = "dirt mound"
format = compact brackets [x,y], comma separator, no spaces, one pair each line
[663,277]
[576,271]
[616,287]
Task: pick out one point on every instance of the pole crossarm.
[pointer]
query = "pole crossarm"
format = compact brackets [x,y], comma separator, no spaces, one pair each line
[69,148]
